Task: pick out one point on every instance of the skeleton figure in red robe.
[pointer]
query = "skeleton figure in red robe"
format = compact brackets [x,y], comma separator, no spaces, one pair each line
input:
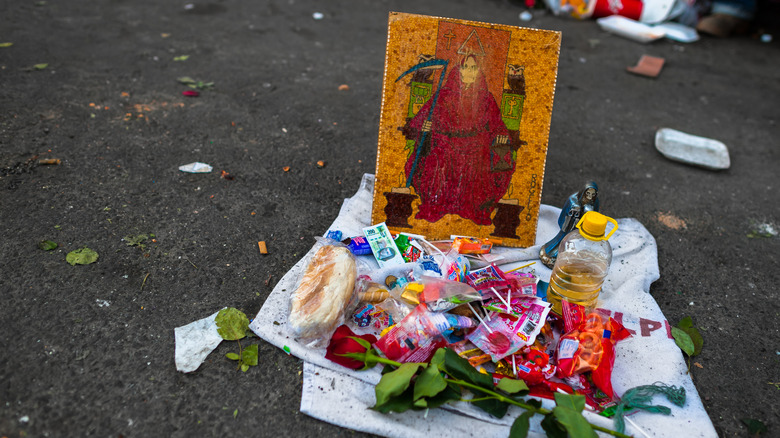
[463,166]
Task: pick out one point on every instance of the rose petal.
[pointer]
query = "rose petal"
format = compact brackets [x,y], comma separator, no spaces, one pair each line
[190,93]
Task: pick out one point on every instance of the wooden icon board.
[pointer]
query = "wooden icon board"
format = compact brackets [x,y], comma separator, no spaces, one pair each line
[464,126]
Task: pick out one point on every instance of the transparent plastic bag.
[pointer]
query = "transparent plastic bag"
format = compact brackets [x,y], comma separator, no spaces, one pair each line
[324,294]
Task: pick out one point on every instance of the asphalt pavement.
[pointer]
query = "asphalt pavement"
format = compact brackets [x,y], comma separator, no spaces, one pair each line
[87,350]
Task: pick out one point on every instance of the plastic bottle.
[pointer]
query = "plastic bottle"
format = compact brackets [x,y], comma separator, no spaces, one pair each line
[583,261]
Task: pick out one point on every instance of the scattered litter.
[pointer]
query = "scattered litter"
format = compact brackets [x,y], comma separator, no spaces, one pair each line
[227,176]
[194,342]
[286,168]
[103,303]
[643,33]
[763,230]
[81,256]
[262,247]
[630,29]
[190,93]
[318,15]
[189,6]
[678,32]
[691,149]
[24,419]
[286,350]
[196,167]
[165,35]
[46,161]
[320,163]
[526,16]
[649,66]
[343,87]
[766,38]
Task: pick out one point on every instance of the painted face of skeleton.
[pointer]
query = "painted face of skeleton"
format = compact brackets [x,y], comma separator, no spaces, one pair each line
[468,71]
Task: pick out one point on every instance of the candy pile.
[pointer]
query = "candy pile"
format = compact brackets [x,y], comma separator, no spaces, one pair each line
[425,295]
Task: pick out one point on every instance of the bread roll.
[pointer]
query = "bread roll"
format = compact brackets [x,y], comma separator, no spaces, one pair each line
[319,302]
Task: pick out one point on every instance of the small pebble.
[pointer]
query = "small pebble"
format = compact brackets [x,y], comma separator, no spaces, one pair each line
[526,16]
[318,15]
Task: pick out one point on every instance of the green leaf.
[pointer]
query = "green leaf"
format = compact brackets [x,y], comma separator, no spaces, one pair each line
[40,66]
[568,413]
[755,427]
[698,341]
[460,368]
[429,383]
[574,402]
[181,58]
[235,413]
[683,340]
[492,406]
[231,324]
[244,367]
[186,80]
[399,403]
[685,323]
[552,427]
[233,356]
[395,382]
[136,240]
[249,355]
[4,45]
[438,359]
[521,425]
[47,245]
[451,393]
[81,256]
[511,386]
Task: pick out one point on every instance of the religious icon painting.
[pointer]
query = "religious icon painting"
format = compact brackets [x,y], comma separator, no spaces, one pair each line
[464,126]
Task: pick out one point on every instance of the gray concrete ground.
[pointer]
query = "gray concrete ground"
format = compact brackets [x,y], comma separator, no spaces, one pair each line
[88,350]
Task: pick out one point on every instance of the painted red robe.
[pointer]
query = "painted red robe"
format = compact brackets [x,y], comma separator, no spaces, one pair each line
[454,173]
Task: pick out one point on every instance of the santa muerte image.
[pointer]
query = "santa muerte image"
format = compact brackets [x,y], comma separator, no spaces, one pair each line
[463,155]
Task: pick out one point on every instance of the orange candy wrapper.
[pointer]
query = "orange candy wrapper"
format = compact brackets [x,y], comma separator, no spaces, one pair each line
[472,245]
[588,345]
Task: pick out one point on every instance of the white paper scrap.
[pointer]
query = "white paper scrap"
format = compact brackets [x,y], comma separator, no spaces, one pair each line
[196,167]
[194,342]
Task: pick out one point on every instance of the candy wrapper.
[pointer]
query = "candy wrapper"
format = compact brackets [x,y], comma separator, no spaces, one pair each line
[324,293]
[471,245]
[440,295]
[506,333]
[419,335]
[374,316]
[588,344]
[410,249]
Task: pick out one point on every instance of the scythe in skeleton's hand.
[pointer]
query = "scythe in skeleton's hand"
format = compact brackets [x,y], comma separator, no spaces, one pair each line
[434,63]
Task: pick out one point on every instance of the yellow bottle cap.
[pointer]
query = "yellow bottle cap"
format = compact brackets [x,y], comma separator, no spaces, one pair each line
[593,225]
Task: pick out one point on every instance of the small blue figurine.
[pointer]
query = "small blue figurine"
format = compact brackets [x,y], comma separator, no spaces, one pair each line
[576,206]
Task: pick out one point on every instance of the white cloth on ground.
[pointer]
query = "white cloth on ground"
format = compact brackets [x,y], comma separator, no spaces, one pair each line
[341,396]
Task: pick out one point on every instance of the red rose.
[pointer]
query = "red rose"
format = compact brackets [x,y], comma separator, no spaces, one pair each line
[341,343]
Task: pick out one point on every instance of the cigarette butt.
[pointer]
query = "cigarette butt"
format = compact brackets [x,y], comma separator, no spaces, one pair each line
[49,161]
[261,246]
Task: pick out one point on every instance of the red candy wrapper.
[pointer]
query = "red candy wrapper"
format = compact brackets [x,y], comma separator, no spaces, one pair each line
[588,345]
